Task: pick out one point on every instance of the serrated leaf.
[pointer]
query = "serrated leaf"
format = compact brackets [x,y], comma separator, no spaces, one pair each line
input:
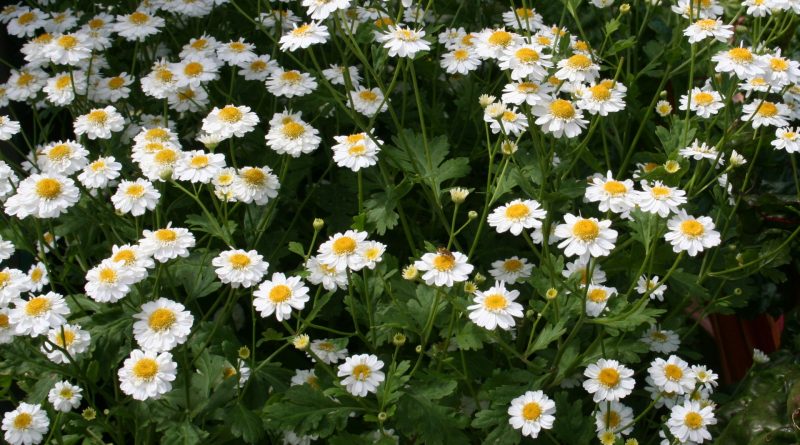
[202,223]
[470,337]
[245,424]
[196,273]
[629,319]
[434,424]
[547,335]
[184,433]
[306,410]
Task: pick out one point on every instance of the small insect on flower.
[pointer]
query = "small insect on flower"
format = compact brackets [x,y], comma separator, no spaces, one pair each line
[444,268]
[362,374]
[532,412]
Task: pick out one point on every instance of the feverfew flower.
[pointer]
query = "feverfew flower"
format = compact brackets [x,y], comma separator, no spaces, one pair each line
[108,282]
[327,276]
[68,49]
[290,83]
[43,196]
[62,157]
[688,422]
[787,139]
[69,337]
[340,251]
[663,108]
[137,25]
[328,351]
[8,128]
[35,316]
[254,185]
[362,374]
[25,425]
[661,341]
[597,298]
[100,172]
[656,289]
[532,412]
[517,215]
[289,134]
[608,380]
[602,98]
[690,234]
[765,113]
[531,93]
[322,9]
[7,332]
[198,166]
[37,275]
[162,325]
[612,195]
[460,61]
[526,62]
[739,61]
[560,117]
[230,121]
[304,36]
[699,150]
[704,28]
[703,102]
[495,307]
[135,197]
[280,295]
[585,235]
[167,243]
[612,416]
[404,42]
[147,374]
[660,198]
[368,102]
[671,375]
[99,123]
[65,396]
[240,267]
[236,52]
[444,268]
[511,270]
[578,68]
[356,151]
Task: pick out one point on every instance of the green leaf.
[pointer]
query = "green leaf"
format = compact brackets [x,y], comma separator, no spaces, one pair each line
[611,26]
[245,424]
[434,424]
[381,207]
[297,248]
[470,336]
[306,410]
[549,334]
[202,223]
[197,274]
[429,164]
[184,433]
[630,319]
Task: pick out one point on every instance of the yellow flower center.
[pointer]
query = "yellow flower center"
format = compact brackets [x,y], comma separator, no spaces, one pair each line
[524,12]
[66,393]
[135,190]
[372,253]
[660,192]
[580,45]
[562,109]
[154,134]
[138,18]
[344,246]
[126,256]
[368,96]
[280,293]
[164,75]
[97,117]
[444,262]
[544,40]
[23,421]
[302,30]
[48,188]
[258,65]
[693,420]
[612,419]
[107,275]
[193,69]
[586,229]
[43,39]
[66,340]
[199,161]
[790,135]
[767,109]
[527,55]
[165,156]
[326,346]
[67,42]
[706,24]
[509,116]
[228,372]
[600,92]
[161,319]
[527,87]
[59,152]
[37,274]
[145,369]
[512,265]
[5,277]
[166,235]
[361,372]
[37,306]
[673,372]
[500,38]
[239,260]
[579,62]
[4,321]
[461,54]
[116,83]
[24,79]
[467,40]
[531,411]
[354,138]
[615,188]
[383,22]
[495,302]
[230,114]
[293,130]
[692,228]
[740,55]
[406,35]
[609,377]
[357,150]
[96,24]
[778,64]
[26,18]
[199,44]
[658,336]
[253,176]
[237,47]
[291,76]
[517,211]
[63,82]
[597,295]
[703,98]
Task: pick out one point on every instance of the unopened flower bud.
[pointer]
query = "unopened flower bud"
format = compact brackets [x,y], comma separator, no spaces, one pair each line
[530,313]
[738,291]
[399,339]
[672,166]
[479,278]
[244,353]
[624,8]
[301,341]
[418,349]
[485,100]
[410,272]
[166,174]
[318,224]
[382,416]
[458,195]
[508,148]
[551,293]
[89,414]
[472,214]
[470,287]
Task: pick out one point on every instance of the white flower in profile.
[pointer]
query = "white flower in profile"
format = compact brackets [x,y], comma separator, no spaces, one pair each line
[35,316]
[7,332]
[532,412]
[12,283]
[703,102]
[108,282]
[65,396]
[612,416]
[135,197]
[162,325]
[705,377]
[597,297]
[330,278]
[42,196]
[516,216]
[495,307]
[336,75]
[581,236]
[8,128]
[656,289]
[280,295]
[404,42]
[788,139]
[608,380]
[25,425]
[699,150]
[167,243]
[444,268]
[765,113]
[580,268]
[327,350]
[689,421]
[760,357]
[147,374]
[739,61]
[322,9]
[99,123]
[702,29]
[230,121]
[690,234]
[362,374]
[240,267]
[69,340]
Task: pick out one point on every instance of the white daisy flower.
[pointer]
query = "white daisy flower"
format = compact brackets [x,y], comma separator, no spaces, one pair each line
[159,165]
[258,69]
[660,198]
[289,134]
[291,83]
[65,396]
[37,275]
[279,295]
[243,372]
[240,267]
[699,150]
[113,89]
[511,270]
[707,9]
[230,121]
[25,84]
[135,197]
[27,22]
[304,36]
[780,70]
[577,68]
[788,139]
[656,289]
[255,184]
[612,416]
[167,243]
[601,98]
[460,60]
[161,81]
[560,117]
[526,62]
[356,151]
[608,380]
[612,195]
[43,196]
[516,216]
[739,61]
[67,337]
[133,259]
[68,49]
[35,316]
[690,234]
[322,9]
[661,341]
[305,377]
[403,42]
[7,332]
[689,421]
[62,157]
[62,87]
[108,282]
[597,299]
[362,374]
[138,25]
[25,425]
[510,122]
[703,102]
[368,102]
[580,267]
[198,166]
[671,375]
[702,29]
[336,75]
[330,278]
[147,374]
[13,282]
[759,356]
[444,268]
[372,253]
[532,412]
[6,251]
[223,184]
[495,307]
[765,113]
[328,351]
[585,235]
[8,128]
[340,251]
[531,93]
[491,43]
[8,180]
[523,19]
[760,8]
[705,377]
[99,123]
[663,108]
[162,325]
